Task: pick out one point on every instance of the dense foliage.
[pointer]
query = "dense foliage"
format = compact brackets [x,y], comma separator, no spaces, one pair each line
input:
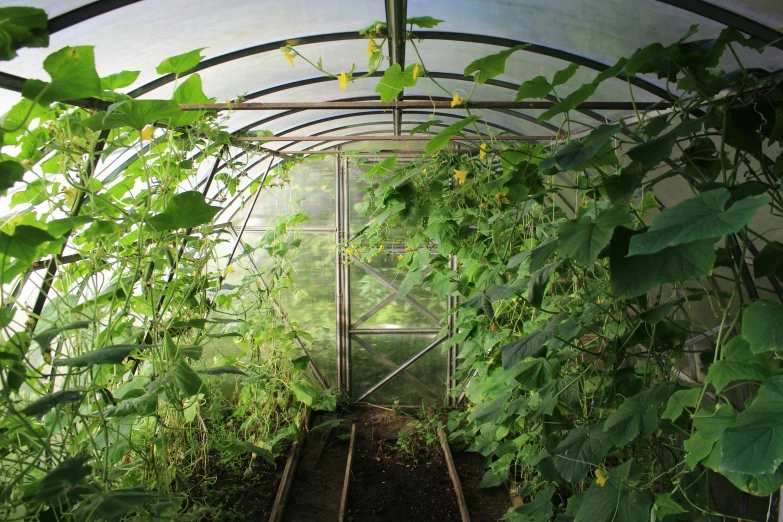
[581,291]
[117,394]
[619,358]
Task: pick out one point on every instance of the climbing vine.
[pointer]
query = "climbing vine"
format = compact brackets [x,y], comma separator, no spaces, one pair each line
[616,355]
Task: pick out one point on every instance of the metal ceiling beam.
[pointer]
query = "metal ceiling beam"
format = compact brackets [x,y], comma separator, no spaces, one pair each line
[730,19]
[421,35]
[85,12]
[396,15]
[420,104]
[386,137]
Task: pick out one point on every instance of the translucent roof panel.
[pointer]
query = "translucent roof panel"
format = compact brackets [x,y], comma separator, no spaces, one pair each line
[766,12]
[603,32]
[141,35]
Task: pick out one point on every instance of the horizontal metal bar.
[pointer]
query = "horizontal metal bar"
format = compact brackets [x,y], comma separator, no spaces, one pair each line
[251,228]
[389,137]
[394,331]
[417,104]
[401,368]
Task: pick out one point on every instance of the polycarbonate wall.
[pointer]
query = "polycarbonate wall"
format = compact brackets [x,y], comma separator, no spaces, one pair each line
[241,41]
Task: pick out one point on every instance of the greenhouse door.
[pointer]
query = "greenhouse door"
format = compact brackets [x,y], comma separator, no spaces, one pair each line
[390,350]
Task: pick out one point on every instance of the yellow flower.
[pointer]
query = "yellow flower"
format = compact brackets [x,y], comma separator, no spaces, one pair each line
[371,48]
[601,477]
[289,56]
[343,80]
[146,132]
[349,251]
[483,150]
[399,257]
[415,71]
[460,176]
[408,249]
[230,269]
[456,100]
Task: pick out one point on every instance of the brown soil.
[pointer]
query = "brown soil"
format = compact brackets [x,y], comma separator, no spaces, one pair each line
[318,484]
[242,491]
[484,504]
[390,484]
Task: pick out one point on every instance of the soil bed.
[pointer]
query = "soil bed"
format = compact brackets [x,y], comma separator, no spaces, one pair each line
[318,483]
[394,483]
[240,490]
[484,504]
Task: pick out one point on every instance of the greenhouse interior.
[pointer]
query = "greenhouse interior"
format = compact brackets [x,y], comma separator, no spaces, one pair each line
[388,260]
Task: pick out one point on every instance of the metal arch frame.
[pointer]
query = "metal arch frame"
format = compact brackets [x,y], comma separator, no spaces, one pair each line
[332,118]
[728,18]
[696,3]
[543,50]
[84,13]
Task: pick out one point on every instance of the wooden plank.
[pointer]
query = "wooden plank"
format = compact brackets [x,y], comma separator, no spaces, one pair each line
[287,480]
[347,481]
[463,506]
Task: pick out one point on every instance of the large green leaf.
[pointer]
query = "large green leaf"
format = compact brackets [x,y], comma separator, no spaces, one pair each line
[63,477]
[43,405]
[110,355]
[188,380]
[538,88]
[532,345]
[394,80]
[697,218]
[762,326]
[539,510]
[73,74]
[563,75]
[136,114]
[305,392]
[637,415]
[240,446]
[616,501]
[652,152]
[583,239]
[582,448]
[22,27]
[622,187]
[44,339]
[425,22]
[538,284]
[738,363]
[571,101]
[535,373]
[577,152]
[769,262]
[541,254]
[10,172]
[754,444]
[119,80]
[25,243]
[491,66]
[665,506]
[698,448]
[180,63]
[185,210]
[113,505]
[679,401]
[636,275]
[443,137]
